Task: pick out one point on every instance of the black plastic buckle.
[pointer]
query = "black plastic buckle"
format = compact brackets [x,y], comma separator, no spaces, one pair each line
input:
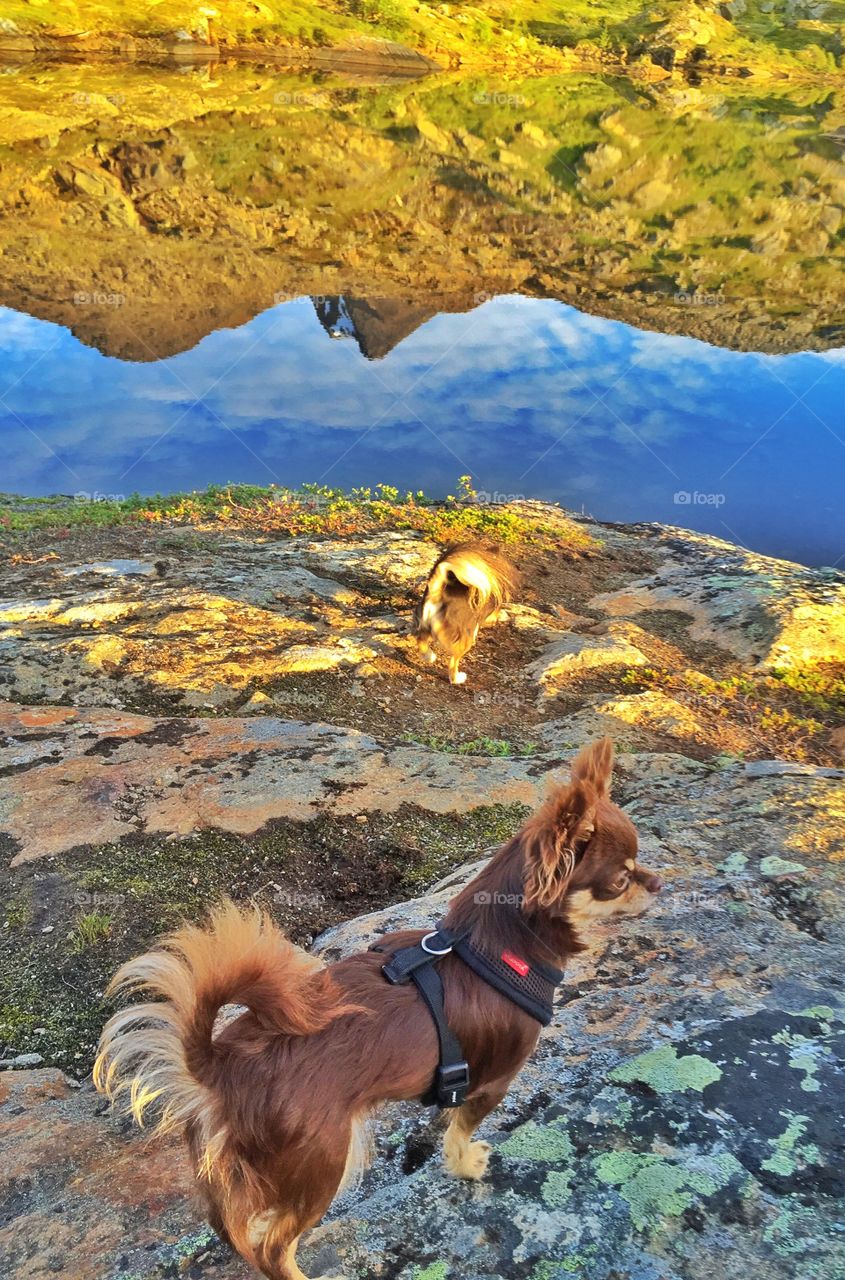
[394,973]
[452,1084]
[404,962]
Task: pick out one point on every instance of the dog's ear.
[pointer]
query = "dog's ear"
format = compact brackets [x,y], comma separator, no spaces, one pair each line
[594,764]
[552,842]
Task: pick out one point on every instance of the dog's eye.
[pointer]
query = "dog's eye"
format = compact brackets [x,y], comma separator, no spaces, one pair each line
[622,883]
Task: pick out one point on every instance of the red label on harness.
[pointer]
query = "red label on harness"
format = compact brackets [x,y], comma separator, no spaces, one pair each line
[519,966]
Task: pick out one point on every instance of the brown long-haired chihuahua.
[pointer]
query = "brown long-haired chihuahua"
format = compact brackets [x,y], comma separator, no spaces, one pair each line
[273,1105]
[466,588]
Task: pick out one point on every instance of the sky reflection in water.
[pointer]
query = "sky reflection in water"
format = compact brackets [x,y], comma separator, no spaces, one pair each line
[528,397]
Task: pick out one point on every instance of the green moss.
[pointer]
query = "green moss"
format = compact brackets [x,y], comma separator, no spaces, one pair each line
[89,929]
[442,844]
[665,1072]
[18,913]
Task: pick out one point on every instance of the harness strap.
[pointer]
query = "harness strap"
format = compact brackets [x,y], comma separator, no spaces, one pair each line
[532,991]
[451,1081]
[530,987]
[417,964]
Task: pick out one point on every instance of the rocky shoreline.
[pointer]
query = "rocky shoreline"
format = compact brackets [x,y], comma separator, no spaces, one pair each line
[220,706]
[685,40]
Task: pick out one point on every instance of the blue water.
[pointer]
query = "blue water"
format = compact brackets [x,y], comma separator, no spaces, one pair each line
[530,398]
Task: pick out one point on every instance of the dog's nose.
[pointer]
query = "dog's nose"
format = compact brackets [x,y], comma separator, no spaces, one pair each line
[652,882]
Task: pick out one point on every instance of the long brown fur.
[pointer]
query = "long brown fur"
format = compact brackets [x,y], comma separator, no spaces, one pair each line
[273,1105]
[467,587]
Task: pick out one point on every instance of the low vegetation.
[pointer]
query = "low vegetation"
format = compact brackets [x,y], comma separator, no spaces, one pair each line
[62,936]
[782,714]
[313,510]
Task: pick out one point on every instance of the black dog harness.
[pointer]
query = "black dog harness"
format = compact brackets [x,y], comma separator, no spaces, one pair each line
[530,986]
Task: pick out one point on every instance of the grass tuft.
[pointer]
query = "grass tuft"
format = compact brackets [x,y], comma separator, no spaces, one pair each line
[89,930]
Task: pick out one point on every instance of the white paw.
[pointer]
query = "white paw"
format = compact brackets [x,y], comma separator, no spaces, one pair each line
[431,657]
[460,678]
[470,1163]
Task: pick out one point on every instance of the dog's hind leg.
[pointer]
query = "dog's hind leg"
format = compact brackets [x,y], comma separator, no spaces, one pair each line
[462,1157]
[308,1182]
[458,649]
[275,1253]
[293,1272]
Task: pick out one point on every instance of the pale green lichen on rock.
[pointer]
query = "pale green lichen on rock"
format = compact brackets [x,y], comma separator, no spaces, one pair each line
[807,1063]
[546,1270]
[665,1072]
[775,866]
[787,1153]
[734,864]
[556,1189]
[655,1188]
[624,1111]
[573,1264]
[823,1011]
[192,1244]
[547,1143]
[793,1232]
[804,1057]
[434,1271]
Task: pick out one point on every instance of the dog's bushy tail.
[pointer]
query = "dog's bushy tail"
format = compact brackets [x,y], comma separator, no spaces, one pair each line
[162,1051]
[490,579]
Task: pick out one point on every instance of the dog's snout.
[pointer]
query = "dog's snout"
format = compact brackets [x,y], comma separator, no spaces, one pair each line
[650,881]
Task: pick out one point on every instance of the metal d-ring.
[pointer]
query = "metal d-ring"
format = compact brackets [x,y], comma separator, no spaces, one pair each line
[430,950]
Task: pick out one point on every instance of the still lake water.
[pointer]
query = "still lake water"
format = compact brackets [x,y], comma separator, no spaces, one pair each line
[529,396]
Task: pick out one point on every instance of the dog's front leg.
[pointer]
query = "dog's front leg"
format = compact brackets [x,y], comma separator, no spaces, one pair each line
[462,1157]
[456,676]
